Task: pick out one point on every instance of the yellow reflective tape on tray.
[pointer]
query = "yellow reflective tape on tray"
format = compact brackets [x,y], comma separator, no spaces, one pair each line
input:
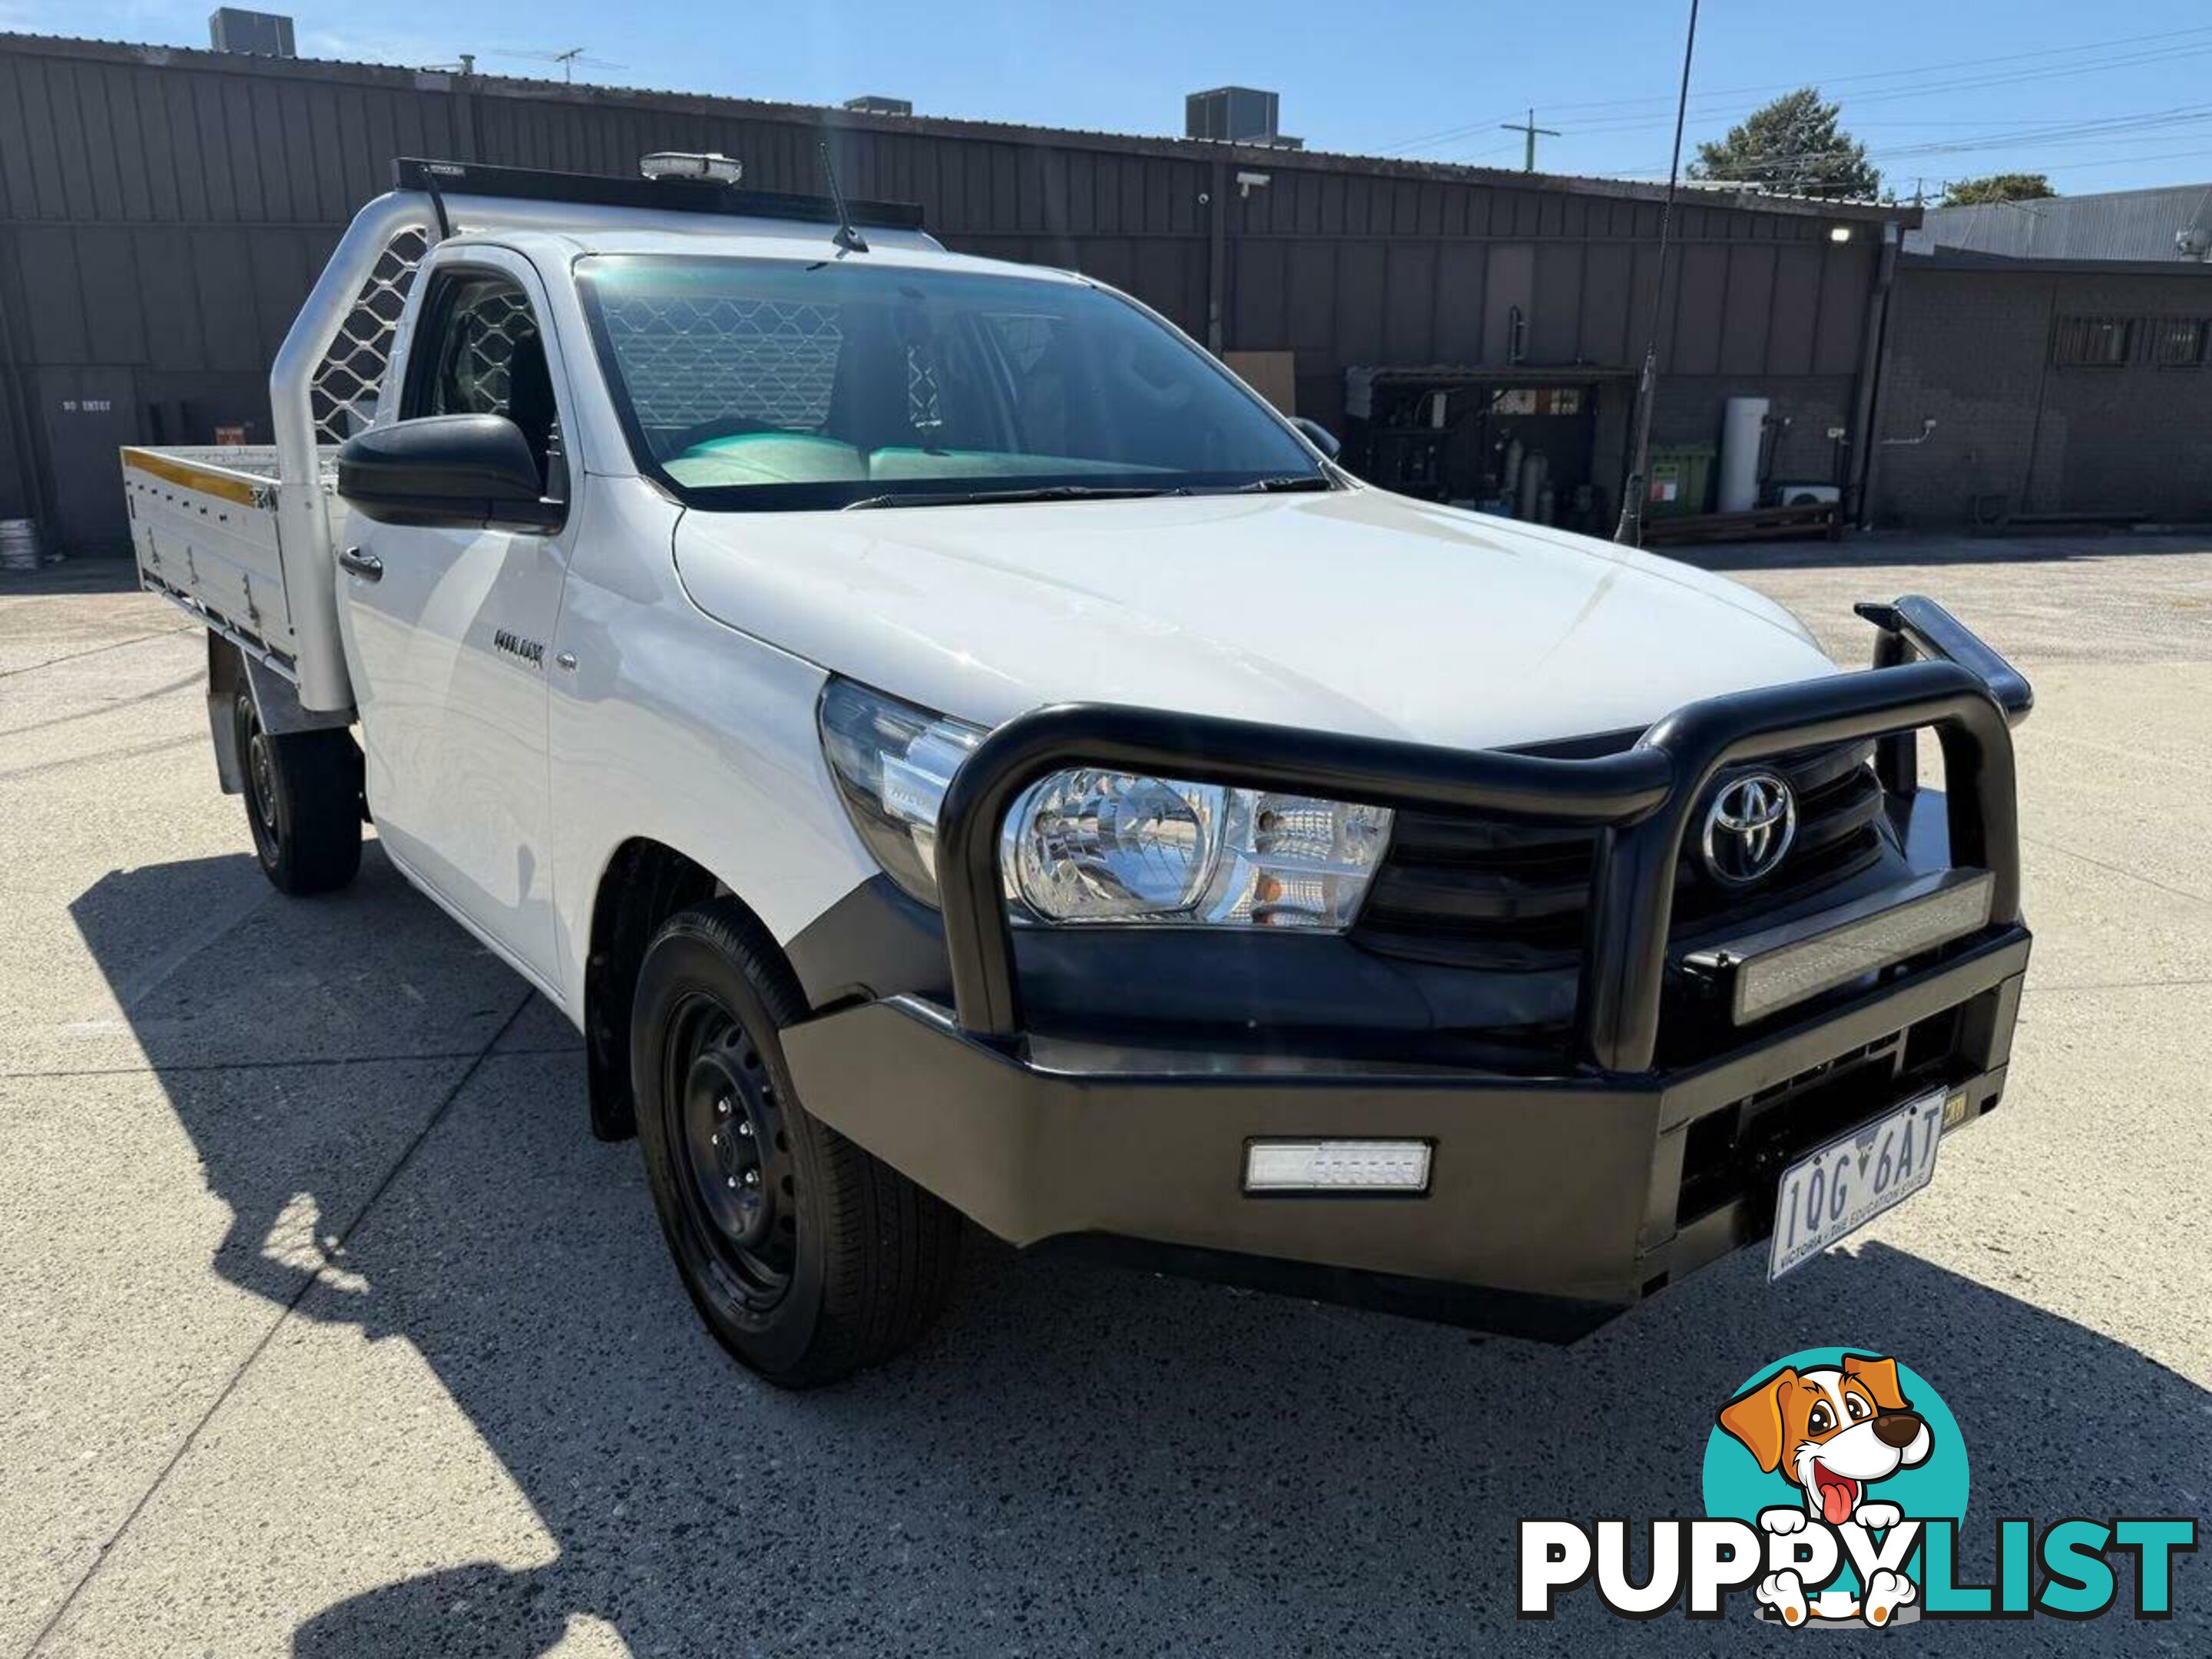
[207,480]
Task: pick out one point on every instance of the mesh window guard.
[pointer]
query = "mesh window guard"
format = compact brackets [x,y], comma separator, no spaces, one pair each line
[776,362]
[343,392]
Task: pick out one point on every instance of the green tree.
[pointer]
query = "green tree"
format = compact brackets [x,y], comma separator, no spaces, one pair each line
[1997,187]
[1794,146]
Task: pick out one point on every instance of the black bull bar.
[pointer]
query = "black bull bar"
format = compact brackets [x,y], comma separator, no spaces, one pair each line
[1929,672]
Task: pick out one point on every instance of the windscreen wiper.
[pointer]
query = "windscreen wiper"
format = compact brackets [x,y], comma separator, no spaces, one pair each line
[1037,493]
[1289,481]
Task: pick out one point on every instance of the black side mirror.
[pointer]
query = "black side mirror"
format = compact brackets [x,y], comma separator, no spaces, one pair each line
[1318,436]
[447,471]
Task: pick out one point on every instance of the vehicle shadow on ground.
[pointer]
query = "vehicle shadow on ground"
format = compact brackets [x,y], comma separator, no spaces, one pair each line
[1081,1459]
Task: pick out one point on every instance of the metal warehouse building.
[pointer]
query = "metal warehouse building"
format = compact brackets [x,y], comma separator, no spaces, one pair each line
[163,211]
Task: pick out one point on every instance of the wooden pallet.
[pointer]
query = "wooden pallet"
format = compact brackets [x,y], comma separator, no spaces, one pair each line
[1759,525]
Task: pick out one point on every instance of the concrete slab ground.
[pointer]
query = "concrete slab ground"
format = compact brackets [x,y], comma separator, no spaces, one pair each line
[330,1331]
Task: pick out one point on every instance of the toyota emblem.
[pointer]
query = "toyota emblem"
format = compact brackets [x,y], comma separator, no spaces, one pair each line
[1749,828]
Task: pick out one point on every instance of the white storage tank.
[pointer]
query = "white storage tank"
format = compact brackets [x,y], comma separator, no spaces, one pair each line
[1743,432]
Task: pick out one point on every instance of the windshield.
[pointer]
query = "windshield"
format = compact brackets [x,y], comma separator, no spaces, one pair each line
[773,383]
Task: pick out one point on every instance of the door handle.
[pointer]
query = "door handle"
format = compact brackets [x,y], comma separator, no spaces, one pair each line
[366,566]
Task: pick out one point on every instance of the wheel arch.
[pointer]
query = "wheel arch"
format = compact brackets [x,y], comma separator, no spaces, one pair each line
[643,883]
[232,669]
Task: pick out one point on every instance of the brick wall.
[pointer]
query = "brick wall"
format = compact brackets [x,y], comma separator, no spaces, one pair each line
[1971,349]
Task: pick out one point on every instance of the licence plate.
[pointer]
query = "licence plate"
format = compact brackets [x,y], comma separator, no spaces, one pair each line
[1853,1178]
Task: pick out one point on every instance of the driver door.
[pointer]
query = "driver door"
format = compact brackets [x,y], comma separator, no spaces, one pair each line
[449,627]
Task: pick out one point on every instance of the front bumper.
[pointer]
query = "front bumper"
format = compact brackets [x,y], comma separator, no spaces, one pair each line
[1553,1201]
[1552,1205]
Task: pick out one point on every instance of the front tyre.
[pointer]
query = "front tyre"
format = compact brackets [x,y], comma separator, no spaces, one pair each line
[808,1258]
[302,802]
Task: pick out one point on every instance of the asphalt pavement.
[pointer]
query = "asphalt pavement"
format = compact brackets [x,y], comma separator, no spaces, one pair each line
[330,1329]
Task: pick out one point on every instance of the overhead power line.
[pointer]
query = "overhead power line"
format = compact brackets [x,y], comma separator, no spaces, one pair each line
[2128,129]
[1945,86]
[1709,100]
[1981,61]
[1734,113]
[2122,160]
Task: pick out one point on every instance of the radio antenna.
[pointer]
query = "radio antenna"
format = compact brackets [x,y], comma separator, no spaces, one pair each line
[848,238]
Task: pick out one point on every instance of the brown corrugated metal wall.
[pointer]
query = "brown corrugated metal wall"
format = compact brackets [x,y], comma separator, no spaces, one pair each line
[162,212]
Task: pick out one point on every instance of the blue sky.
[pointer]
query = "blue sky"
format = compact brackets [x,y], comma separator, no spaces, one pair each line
[2103,97]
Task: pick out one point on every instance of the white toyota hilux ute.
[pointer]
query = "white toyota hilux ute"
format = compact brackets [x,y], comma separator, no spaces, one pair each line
[954,752]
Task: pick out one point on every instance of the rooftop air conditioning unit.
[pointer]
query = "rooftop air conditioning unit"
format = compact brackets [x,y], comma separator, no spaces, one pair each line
[1808,495]
[252,33]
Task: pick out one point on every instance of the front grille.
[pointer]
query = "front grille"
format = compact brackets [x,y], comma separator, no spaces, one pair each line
[1740,1151]
[1512,895]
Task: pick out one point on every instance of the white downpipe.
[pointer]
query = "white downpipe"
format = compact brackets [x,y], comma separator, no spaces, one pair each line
[303,524]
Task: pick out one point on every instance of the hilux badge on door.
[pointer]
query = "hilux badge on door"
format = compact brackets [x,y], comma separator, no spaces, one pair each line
[1749,828]
[529,651]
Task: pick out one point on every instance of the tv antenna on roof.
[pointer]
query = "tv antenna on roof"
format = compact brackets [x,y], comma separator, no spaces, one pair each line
[569,61]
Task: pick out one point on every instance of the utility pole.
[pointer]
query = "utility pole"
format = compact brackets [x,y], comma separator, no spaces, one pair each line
[566,60]
[1530,131]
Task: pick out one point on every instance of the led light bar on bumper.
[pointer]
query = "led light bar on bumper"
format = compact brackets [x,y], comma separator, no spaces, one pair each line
[1329,1166]
[1771,970]
[1090,845]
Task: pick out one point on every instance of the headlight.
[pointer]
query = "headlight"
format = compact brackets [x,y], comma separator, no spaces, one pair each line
[1093,846]
[892,762]
[1089,845]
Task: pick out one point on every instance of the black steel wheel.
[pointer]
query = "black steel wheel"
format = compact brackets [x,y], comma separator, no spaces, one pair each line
[302,801]
[808,1258]
[742,1180]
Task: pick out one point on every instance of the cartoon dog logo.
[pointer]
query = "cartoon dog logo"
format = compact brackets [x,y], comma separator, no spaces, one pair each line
[1835,1430]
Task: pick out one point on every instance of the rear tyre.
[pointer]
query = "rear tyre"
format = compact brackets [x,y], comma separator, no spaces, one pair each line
[302,802]
[808,1258]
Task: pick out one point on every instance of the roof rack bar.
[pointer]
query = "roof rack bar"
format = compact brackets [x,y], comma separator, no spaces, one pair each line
[661,195]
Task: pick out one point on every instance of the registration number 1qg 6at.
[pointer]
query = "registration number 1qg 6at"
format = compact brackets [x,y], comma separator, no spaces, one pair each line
[1853,1178]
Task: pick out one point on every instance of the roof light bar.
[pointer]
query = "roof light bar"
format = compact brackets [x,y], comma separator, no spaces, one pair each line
[711,166]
